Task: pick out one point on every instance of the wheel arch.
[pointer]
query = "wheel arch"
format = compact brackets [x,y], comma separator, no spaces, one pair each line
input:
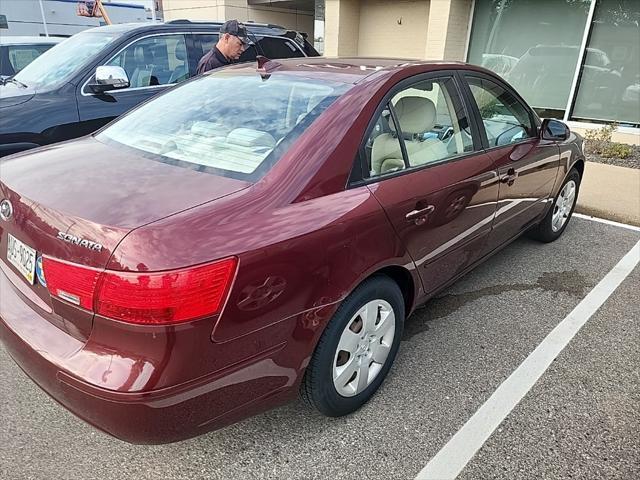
[403,278]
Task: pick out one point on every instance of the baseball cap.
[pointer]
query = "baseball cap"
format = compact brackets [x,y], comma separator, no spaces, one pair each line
[237,29]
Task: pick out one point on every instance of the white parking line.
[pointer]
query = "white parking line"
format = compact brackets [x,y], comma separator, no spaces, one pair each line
[462,447]
[607,222]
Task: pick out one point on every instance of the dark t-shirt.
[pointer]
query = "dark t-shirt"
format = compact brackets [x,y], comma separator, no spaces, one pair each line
[212,59]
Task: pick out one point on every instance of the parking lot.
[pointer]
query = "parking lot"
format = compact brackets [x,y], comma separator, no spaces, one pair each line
[580,420]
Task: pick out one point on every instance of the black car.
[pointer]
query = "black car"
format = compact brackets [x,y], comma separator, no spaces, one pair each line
[89,79]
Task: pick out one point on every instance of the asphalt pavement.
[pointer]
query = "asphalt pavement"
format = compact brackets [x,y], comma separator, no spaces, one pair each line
[580,420]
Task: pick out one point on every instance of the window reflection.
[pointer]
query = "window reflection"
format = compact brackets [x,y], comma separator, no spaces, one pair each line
[609,88]
[533,44]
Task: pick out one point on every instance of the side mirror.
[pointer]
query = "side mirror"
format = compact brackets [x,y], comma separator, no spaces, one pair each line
[109,78]
[554,130]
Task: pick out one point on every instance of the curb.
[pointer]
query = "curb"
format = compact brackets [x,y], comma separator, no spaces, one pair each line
[610,192]
[607,214]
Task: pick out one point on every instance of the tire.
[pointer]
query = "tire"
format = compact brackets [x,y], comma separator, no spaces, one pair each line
[362,342]
[557,218]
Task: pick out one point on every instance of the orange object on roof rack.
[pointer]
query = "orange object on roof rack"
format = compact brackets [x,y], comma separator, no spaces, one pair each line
[92,8]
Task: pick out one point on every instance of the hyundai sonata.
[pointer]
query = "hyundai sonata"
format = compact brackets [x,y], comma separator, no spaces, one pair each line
[259,233]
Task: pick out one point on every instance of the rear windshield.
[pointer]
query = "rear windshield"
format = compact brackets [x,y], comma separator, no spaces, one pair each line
[226,123]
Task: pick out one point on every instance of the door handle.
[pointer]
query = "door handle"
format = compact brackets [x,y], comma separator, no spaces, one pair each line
[419,216]
[510,177]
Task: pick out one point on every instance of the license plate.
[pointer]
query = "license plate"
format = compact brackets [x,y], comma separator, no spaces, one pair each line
[23,257]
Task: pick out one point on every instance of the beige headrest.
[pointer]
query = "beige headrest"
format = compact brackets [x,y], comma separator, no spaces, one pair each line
[415,114]
[209,129]
[138,54]
[247,137]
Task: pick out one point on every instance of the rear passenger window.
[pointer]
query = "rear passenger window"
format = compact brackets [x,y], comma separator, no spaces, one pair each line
[278,48]
[160,60]
[207,41]
[432,124]
[505,119]
[382,149]
[268,46]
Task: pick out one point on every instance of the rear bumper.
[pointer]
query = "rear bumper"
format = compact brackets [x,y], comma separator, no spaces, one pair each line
[62,366]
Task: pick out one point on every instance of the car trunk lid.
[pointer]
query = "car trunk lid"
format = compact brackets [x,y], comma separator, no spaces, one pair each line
[75,202]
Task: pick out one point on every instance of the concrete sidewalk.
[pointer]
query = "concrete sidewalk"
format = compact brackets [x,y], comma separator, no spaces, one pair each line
[610,192]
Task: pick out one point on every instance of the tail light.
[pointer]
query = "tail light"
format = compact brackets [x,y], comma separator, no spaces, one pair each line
[74,283]
[152,298]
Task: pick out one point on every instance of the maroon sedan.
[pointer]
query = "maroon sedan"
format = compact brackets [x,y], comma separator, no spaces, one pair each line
[258,233]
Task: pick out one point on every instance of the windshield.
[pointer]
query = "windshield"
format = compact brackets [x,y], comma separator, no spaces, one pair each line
[230,124]
[61,62]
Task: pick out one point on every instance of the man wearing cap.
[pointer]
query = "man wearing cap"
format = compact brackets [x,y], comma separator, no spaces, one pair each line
[232,42]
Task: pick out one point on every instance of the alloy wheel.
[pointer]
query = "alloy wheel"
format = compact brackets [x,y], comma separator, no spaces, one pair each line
[563,206]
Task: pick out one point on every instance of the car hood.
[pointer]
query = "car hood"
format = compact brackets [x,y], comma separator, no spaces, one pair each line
[12,94]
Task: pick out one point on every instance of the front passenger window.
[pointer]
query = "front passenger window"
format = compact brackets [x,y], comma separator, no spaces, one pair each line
[160,60]
[505,119]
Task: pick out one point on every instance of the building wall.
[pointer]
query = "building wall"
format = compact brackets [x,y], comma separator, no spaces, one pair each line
[299,20]
[193,9]
[447,30]
[420,29]
[393,29]
[341,27]
[221,10]
[458,31]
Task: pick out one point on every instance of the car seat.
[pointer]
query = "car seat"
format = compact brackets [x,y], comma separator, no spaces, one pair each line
[181,72]
[416,115]
[141,76]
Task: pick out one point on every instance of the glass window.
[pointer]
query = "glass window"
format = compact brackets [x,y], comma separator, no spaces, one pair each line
[207,41]
[229,124]
[22,55]
[160,60]
[433,126]
[278,48]
[249,55]
[533,44]
[609,88]
[60,63]
[267,46]
[382,149]
[272,48]
[505,119]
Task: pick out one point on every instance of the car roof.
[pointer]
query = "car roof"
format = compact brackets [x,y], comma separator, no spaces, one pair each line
[23,40]
[188,25]
[350,69]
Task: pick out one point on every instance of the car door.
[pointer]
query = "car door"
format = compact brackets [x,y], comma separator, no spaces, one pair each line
[153,63]
[527,166]
[423,161]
